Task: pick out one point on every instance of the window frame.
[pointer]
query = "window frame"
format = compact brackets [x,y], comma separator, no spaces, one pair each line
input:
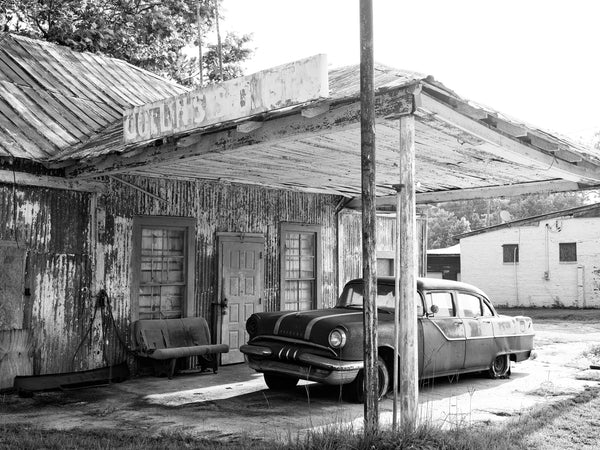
[461,309]
[515,257]
[452,301]
[189,226]
[566,261]
[293,227]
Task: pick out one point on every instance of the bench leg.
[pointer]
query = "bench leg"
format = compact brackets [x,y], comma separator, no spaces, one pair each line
[172,367]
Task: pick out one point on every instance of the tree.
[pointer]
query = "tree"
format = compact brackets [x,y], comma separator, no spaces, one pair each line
[446,220]
[442,226]
[151,34]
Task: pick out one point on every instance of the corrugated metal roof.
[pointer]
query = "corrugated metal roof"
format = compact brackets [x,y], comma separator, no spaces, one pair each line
[65,108]
[53,98]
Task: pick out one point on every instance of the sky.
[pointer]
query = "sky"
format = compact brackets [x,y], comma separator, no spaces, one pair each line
[535,60]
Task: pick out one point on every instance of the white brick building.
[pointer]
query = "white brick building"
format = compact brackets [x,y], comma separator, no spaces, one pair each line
[549,260]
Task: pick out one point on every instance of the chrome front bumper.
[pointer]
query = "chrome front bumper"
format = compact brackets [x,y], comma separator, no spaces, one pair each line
[305,366]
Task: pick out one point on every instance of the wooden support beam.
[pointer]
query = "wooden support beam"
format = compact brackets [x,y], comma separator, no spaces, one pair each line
[507,147]
[407,274]
[369,219]
[248,126]
[28,179]
[541,142]
[513,190]
[315,111]
[189,140]
[137,188]
[392,103]
[510,128]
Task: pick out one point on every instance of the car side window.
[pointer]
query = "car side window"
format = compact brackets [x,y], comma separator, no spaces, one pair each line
[443,301]
[487,309]
[469,305]
[419,305]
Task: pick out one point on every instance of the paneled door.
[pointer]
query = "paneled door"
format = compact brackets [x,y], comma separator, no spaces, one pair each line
[241,274]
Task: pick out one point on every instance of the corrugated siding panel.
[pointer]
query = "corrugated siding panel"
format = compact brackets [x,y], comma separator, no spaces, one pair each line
[52,226]
[350,243]
[217,208]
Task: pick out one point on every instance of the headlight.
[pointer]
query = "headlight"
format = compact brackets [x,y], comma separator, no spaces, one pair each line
[337,338]
[252,325]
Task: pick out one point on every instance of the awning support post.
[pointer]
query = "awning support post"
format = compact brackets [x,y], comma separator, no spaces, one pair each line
[367,146]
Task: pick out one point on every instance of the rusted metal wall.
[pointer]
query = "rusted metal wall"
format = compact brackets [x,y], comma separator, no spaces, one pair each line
[51,226]
[350,243]
[217,207]
[78,243]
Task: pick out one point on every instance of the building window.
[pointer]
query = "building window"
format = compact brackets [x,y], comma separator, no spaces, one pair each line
[163,267]
[567,252]
[300,267]
[510,253]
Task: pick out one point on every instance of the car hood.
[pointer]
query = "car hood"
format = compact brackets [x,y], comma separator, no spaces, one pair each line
[313,325]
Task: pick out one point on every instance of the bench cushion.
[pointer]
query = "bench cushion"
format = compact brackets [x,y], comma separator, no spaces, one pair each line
[175,338]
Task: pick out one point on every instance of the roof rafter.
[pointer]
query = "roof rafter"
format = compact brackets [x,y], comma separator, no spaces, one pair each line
[505,146]
[537,187]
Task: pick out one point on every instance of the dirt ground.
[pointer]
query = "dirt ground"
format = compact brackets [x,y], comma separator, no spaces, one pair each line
[235,403]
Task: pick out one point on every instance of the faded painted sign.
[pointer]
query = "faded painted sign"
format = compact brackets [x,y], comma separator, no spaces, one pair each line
[278,87]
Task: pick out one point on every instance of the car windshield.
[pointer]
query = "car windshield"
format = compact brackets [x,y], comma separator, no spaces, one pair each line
[352,296]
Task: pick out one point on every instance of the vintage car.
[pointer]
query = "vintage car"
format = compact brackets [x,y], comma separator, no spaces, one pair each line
[459,331]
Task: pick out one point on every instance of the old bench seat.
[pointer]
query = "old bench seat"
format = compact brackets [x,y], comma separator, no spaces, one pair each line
[169,339]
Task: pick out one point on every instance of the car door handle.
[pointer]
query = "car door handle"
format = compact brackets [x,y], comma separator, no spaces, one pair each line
[458,322]
[486,321]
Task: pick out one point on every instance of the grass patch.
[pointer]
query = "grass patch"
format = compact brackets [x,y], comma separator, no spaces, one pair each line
[569,423]
[27,437]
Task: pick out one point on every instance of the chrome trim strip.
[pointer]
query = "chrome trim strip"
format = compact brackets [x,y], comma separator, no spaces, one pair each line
[329,364]
[298,342]
[312,323]
[466,338]
[278,323]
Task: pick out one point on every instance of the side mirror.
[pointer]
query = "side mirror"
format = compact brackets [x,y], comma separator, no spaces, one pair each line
[434,309]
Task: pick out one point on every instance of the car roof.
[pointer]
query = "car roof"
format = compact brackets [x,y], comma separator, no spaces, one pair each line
[431,284]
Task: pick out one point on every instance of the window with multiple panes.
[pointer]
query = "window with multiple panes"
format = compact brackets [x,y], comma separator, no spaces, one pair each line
[163,267]
[300,266]
[567,252]
[510,253]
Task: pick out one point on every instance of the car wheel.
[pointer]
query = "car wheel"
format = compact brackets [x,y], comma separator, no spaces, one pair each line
[277,382]
[500,367]
[355,391]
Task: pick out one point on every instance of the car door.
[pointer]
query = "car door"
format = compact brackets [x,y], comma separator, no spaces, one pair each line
[479,333]
[443,335]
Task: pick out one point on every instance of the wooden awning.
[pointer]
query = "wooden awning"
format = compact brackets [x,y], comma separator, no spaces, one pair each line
[463,150]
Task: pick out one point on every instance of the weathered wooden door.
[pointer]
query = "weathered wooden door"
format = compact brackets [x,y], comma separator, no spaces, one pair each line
[241,277]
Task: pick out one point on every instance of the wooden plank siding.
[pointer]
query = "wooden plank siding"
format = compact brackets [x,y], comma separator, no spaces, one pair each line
[64,271]
[350,243]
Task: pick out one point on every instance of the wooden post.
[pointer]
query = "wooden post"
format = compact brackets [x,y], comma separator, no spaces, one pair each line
[397,275]
[367,147]
[409,380]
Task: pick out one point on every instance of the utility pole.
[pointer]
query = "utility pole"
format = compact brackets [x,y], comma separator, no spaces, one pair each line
[367,148]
